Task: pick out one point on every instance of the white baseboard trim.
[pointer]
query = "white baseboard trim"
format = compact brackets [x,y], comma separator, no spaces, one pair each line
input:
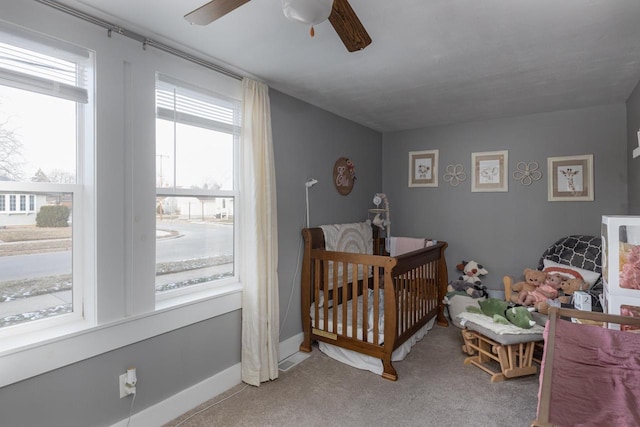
[290,346]
[176,405]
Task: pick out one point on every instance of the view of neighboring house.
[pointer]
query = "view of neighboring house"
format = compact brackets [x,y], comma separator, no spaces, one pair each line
[22,208]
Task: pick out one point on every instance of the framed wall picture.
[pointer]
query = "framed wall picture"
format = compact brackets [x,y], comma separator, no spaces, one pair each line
[490,170]
[423,168]
[570,178]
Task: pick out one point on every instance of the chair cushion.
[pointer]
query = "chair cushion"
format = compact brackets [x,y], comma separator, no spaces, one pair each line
[504,339]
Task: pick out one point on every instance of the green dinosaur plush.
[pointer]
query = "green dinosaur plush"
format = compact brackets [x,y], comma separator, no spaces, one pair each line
[520,317]
[500,312]
[492,306]
[500,319]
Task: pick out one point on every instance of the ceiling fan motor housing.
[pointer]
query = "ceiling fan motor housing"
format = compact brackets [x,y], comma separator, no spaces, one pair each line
[310,12]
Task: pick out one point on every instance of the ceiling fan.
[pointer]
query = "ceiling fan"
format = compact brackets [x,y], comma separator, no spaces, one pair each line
[342,17]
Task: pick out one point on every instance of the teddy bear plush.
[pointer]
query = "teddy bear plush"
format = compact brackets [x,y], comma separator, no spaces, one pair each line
[539,297]
[566,288]
[471,272]
[532,280]
[569,286]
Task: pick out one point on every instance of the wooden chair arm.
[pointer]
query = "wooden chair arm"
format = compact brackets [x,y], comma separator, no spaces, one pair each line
[507,281]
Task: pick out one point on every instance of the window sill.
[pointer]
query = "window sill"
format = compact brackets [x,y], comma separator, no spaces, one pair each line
[20,359]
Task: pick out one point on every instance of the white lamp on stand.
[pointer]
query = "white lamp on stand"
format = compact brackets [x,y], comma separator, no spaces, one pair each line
[307,185]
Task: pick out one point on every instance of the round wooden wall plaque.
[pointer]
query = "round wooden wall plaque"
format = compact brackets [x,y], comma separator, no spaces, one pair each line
[344,175]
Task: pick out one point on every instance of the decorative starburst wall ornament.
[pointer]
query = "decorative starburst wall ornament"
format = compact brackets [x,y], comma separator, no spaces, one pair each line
[526,173]
[455,174]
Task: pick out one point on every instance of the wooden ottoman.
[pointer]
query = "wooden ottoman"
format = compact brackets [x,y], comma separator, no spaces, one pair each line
[513,353]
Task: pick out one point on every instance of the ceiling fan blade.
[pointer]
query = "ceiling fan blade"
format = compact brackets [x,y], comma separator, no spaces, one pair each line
[348,26]
[213,10]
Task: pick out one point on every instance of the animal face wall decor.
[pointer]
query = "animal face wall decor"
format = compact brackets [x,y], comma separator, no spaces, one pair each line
[490,171]
[570,178]
[423,168]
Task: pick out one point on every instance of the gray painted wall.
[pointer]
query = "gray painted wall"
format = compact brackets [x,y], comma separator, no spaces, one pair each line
[507,232]
[307,142]
[633,125]
[86,393]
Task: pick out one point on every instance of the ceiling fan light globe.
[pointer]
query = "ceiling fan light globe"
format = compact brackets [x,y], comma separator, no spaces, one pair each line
[311,12]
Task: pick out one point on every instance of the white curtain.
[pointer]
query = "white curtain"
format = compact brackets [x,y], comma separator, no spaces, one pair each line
[259,275]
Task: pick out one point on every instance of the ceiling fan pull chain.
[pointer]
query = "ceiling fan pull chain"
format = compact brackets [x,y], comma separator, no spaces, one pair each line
[312,32]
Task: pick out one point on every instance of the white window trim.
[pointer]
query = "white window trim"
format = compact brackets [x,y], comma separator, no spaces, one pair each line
[203,290]
[33,354]
[83,210]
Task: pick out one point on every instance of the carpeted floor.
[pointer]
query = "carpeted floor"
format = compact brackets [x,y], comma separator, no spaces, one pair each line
[434,388]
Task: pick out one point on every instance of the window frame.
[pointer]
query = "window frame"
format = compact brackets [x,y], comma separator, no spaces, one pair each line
[164,81]
[83,211]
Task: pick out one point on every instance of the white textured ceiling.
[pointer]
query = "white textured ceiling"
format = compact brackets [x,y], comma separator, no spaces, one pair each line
[431,61]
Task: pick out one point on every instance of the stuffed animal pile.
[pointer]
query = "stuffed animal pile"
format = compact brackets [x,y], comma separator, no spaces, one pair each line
[540,287]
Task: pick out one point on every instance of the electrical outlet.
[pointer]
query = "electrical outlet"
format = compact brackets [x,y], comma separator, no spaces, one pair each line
[128,382]
[123,389]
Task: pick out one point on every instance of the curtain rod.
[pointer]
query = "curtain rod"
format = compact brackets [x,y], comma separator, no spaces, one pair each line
[139,37]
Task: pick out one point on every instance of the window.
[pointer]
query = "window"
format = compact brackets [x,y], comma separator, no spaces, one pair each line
[197,134]
[105,276]
[45,113]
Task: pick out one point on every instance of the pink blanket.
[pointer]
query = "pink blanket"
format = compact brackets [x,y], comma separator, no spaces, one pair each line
[403,245]
[596,376]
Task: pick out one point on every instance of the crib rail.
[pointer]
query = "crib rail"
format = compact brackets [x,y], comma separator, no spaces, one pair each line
[420,282]
[348,297]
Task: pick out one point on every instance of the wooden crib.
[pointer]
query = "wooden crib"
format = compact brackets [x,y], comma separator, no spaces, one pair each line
[372,304]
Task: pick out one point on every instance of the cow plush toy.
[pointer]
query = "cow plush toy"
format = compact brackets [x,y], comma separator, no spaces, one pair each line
[471,272]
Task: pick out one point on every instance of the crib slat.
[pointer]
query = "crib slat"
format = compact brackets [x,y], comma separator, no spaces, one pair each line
[325,307]
[362,291]
[353,333]
[316,292]
[337,284]
[345,297]
[376,305]
[411,315]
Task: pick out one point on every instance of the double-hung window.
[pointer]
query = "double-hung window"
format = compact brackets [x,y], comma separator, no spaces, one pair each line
[46,145]
[197,138]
